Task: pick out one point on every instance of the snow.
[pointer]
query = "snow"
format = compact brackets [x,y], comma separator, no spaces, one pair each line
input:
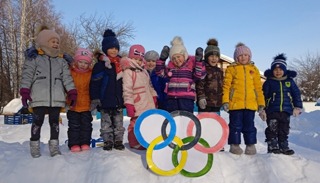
[129,165]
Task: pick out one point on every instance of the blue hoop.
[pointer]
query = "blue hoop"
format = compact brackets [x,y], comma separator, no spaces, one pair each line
[147,113]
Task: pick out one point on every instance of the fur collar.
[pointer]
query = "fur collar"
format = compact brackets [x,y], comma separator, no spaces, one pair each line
[290,74]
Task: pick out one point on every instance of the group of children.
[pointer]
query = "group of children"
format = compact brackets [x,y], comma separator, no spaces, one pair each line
[144,81]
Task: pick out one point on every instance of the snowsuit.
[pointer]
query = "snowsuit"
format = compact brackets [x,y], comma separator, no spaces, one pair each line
[137,91]
[48,78]
[242,89]
[80,118]
[105,86]
[210,88]
[159,84]
[181,88]
[281,95]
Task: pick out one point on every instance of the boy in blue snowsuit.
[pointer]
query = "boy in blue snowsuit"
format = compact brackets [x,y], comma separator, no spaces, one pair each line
[283,99]
[106,92]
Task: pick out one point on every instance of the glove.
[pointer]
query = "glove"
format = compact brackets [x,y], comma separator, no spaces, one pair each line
[202,103]
[199,54]
[94,104]
[72,95]
[263,115]
[31,53]
[164,53]
[296,111]
[155,102]
[106,60]
[260,108]
[130,110]
[25,96]
[225,107]
[68,58]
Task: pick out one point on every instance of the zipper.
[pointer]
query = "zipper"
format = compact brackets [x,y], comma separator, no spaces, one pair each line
[50,81]
[281,94]
[245,87]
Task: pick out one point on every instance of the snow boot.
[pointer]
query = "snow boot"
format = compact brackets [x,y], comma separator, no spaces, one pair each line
[273,146]
[119,145]
[75,148]
[85,147]
[250,149]
[35,149]
[54,147]
[284,148]
[235,149]
[108,145]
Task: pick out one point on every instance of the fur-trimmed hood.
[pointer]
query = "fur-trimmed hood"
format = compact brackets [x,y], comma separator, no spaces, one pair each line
[190,63]
[290,74]
[127,63]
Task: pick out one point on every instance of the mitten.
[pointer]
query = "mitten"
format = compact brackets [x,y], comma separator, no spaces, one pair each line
[199,54]
[164,53]
[225,107]
[72,95]
[68,58]
[106,60]
[260,108]
[263,115]
[94,104]
[202,103]
[130,110]
[31,53]
[25,96]
[296,111]
[155,102]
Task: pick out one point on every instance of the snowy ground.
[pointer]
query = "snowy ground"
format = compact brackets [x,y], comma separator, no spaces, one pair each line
[96,165]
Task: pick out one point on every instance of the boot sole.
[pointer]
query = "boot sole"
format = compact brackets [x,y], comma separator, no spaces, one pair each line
[288,152]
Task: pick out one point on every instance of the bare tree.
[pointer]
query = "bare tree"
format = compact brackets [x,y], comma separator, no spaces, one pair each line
[308,70]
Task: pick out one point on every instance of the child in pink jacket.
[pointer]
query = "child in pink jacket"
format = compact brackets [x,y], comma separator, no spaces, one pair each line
[138,93]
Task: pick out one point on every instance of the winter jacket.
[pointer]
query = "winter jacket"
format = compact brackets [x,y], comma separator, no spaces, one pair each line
[81,81]
[242,87]
[159,84]
[181,80]
[281,94]
[210,88]
[105,86]
[49,79]
[137,87]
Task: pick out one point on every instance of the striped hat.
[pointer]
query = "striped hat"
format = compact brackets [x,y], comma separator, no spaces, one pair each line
[279,61]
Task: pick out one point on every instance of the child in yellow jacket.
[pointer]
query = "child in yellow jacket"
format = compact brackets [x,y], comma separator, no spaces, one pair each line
[242,96]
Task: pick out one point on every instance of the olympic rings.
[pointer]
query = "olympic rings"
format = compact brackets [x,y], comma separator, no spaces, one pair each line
[225,133]
[205,170]
[157,170]
[196,122]
[167,141]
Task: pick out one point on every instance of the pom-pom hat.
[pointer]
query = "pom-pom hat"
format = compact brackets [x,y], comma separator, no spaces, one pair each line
[240,50]
[212,49]
[45,34]
[109,41]
[178,48]
[279,61]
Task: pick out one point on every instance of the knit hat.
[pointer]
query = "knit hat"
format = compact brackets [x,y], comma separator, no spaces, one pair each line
[178,48]
[109,41]
[151,55]
[279,61]
[83,54]
[136,51]
[45,34]
[240,50]
[212,49]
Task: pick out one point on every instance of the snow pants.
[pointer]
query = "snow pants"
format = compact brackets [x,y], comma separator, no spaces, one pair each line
[180,104]
[133,142]
[278,126]
[112,124]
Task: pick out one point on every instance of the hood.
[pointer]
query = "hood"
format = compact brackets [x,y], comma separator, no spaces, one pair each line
[290,74]
[127,63]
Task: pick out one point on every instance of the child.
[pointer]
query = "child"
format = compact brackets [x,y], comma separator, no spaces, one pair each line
[182,72]
[79,116]
[44,81]
[158,83]
[106,92]
[282,100]
[242,95]
[138,93]
[209,89]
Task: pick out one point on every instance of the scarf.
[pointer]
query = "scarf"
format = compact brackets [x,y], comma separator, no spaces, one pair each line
[116,61]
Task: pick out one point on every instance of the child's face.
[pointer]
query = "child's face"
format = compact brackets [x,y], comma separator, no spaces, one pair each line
[178,60]
[137,60]
[113,52]
[151,64]
[213,60]
[54,43]
[82,65]
[243,59]
[278,72]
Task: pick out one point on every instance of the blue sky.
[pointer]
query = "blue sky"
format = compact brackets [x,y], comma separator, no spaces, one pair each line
[267,27]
